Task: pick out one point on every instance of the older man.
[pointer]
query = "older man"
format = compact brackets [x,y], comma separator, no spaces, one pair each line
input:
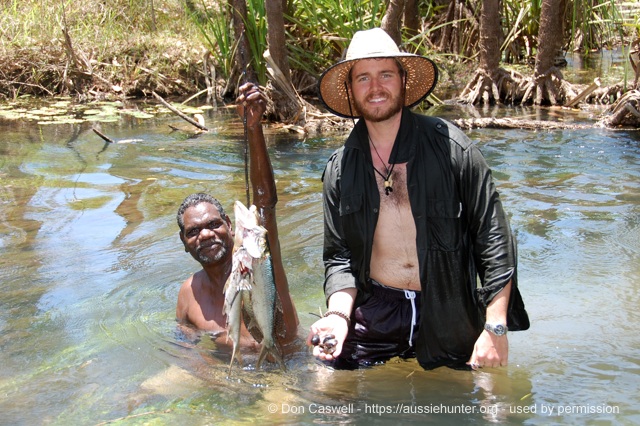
[207,234]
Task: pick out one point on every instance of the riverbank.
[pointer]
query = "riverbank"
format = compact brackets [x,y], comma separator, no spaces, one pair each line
[130,51]
[94,52]
[125,50]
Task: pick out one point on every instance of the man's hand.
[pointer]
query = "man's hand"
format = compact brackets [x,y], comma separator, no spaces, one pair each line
[490,351]
[331,325]
[253,102]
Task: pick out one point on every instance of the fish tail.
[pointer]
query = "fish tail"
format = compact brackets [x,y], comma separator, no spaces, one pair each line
[275,352]
[235,355]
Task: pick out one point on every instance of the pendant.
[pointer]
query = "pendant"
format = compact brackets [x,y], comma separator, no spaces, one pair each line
[388,186]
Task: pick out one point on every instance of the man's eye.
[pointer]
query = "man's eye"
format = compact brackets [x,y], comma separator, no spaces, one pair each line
[193,232]
[214,225]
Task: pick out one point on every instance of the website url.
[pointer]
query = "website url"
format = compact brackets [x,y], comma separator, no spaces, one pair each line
[401,408]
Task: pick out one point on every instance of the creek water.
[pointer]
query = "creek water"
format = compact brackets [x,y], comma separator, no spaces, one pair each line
[91,263]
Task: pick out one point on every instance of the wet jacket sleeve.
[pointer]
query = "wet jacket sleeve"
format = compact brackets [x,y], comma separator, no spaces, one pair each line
[494,250]
[336,254]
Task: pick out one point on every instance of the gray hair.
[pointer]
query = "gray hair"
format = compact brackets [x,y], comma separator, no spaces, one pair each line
[194,200]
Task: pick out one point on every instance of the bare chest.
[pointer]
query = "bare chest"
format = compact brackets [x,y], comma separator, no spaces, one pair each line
[394,260]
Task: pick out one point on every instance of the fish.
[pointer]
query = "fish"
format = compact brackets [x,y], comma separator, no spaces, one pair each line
[264,303]
[250,291]
[238,284]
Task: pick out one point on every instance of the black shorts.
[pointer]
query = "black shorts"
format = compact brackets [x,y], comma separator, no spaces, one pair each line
[383,327]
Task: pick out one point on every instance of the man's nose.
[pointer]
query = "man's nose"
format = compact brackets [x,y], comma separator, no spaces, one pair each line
[376,83]
[206,233]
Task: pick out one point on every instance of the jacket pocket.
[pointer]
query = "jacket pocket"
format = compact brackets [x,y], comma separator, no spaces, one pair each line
[350,204]
[444,224]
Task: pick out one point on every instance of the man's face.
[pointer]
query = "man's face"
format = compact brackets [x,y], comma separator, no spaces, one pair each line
[207,235]
[377,86]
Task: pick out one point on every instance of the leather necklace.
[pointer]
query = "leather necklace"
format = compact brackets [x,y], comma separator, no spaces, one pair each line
[388,182]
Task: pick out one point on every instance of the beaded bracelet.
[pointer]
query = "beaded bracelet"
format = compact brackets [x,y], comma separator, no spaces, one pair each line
[340,314]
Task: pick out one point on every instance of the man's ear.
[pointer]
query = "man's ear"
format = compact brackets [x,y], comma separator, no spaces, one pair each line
[230,225]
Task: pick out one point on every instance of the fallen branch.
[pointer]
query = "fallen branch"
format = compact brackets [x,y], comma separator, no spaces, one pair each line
[109,140]
[584,94]
[20,83]
[508,123]
[103,136]
[179,113]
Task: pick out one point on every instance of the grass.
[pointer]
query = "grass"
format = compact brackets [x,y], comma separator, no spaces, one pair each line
[123,44]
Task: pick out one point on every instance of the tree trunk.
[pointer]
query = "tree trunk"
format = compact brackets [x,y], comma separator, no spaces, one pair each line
[549,35]
[243,52]
[490,36]
[392,20]
[490,81]
[276,36]
[549,42]
[459,34]
[634,59]
[411,17]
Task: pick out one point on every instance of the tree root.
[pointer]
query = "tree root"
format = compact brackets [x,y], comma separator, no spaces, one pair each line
[625,112]
[490,88]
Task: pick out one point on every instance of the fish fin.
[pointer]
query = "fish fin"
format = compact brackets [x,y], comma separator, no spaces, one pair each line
[273,351]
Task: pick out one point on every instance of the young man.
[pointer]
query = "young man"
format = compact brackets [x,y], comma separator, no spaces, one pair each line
[207,234]
[412,221]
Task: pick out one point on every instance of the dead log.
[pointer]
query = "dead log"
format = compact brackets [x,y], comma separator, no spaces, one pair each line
[593,86]
[510,123]
[179,113]
[103,136]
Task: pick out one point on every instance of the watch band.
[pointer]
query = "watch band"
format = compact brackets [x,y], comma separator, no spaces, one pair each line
[497,329]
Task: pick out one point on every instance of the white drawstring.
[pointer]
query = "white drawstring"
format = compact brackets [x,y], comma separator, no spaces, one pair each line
[411,295]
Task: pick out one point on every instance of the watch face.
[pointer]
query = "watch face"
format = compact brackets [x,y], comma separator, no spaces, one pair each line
[497,329]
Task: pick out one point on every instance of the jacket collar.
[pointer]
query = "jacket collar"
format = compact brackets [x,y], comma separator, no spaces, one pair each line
[403,147]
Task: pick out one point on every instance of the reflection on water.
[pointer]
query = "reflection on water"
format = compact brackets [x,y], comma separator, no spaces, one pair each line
[90,265]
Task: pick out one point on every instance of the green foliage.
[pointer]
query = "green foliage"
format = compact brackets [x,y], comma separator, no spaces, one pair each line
[215,25]
[321,30]
[589,25]
[318,32]
[256,32]
[216,29]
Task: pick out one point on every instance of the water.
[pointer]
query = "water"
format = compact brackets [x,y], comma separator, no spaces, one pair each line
[91,263]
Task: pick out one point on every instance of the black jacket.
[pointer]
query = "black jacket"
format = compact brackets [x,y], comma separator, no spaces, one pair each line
[463,233]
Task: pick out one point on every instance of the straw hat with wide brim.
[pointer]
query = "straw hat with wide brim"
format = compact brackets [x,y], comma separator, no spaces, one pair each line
[422,73]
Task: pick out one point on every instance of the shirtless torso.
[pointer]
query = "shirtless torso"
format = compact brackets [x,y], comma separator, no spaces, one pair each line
[394,258]
[200,307]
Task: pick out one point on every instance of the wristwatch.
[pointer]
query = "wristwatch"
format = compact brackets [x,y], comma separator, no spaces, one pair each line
[497,329]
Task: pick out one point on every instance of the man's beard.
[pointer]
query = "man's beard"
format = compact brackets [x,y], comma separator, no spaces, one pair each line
[373,114]
[219,254]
